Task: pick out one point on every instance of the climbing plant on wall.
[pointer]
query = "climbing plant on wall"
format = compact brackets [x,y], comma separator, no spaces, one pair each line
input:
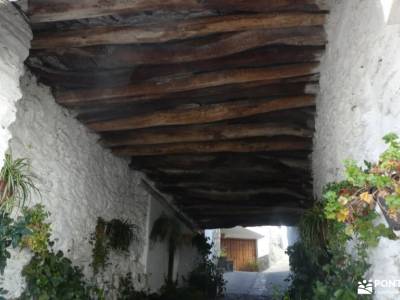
[322,265]
[51,275]
[111,235]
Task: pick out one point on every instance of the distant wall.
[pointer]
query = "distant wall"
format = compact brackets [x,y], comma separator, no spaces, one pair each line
[359,102]
[157,259]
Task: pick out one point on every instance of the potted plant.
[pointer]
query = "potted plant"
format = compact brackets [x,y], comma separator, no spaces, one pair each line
[16,183]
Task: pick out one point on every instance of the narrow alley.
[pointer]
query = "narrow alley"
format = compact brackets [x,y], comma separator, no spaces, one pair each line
[199,149]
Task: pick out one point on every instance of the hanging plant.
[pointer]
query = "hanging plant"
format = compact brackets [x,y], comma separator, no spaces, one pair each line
[112,235]
[16,183]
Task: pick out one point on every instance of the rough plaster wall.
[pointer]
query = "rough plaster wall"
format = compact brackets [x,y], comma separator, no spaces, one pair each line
[15,37]
[79,182]
[359,102]
[360,89]
[157,258]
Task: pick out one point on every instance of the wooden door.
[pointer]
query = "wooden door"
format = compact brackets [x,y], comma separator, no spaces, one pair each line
[241,252]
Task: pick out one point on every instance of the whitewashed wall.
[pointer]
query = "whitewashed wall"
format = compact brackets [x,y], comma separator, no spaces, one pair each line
[15,37]
[157,258]
[79,181]
[359,102]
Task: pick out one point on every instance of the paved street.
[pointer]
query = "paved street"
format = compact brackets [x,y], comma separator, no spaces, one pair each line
[256,286]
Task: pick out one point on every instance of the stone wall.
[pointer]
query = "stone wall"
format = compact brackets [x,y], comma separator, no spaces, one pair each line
[15,37]
[359,102]
[79,181]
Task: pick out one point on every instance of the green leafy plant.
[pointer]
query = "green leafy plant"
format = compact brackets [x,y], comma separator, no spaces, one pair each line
[35,219]
[113,235]
[321,266]
[170,230]
[16,183]
[251,266]
[206,277]
[53,277]
[100,251]
[121,234]
[127,290]
[313,229]
[11,233]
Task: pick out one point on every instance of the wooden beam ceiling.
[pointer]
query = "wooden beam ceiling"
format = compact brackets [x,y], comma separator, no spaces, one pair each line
[50,10]
[172,31]
[213,100]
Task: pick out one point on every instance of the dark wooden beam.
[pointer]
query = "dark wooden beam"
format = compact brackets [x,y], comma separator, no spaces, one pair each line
[199,81]
[123,74]
[204,114]
[248,145]
[203,133]
[50,11]
[271,219]
[236,195]
[295,184]
[229,176]
[188,51]
[237,210]
[172,31]
[119,107]
[222,165]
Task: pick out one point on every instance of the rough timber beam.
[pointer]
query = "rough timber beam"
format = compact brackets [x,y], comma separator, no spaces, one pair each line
[188,51]
[204,114]
[199,81]
[121,73]
[201,134]
[50,11]
[172,31]
[234,146]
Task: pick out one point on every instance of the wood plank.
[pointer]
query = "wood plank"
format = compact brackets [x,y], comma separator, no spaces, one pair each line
[214,147]
[266,200]
[237,194]
[218,210]
[123,73]
[199,81]
[290,183]
[188,51]
[210,161]
[222,169]
[172,31]
[50,11]
[228,176]
[101,110]
[201,134]
[205,114]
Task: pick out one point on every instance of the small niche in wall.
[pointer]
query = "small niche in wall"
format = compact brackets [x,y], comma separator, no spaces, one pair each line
[391,11]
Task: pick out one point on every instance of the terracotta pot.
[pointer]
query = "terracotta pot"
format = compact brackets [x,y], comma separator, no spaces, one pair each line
[393,220]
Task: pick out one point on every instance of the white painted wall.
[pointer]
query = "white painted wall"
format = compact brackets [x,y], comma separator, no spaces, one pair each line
[79,181]
[15,37]
[359,102]
[157,259]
